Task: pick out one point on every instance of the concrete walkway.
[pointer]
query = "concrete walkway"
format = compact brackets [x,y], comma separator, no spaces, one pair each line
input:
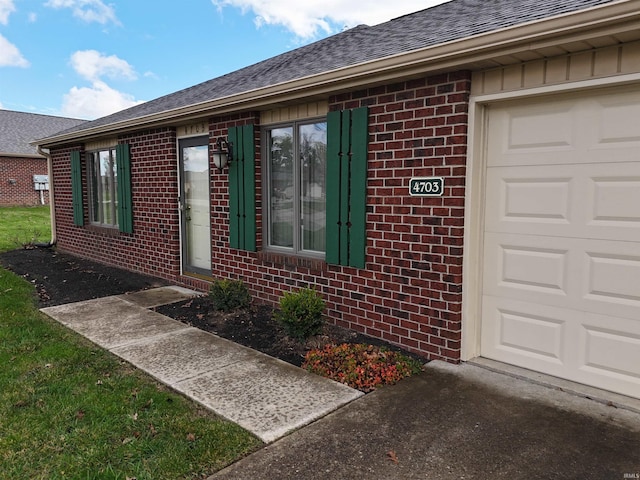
[449,422]
[266,396]
[456,422]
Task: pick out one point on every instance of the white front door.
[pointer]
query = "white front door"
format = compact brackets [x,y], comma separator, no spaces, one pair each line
[195,203]
[561,283]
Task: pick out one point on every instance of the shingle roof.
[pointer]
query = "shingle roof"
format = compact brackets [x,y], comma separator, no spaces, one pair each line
[450,21]
[17,129]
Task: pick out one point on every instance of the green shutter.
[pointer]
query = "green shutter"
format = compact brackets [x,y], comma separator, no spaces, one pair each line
[242,191]
[125,201]
[249,160]
[347,138]
[235,192]
[76,189]
[334,226]
[359,150]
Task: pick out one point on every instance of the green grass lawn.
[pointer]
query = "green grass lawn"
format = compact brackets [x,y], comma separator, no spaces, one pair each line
[24,225]
[69,409]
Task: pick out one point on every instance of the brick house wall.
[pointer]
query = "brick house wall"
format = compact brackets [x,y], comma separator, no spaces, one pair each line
[16,181]
[410,292]
[154,247]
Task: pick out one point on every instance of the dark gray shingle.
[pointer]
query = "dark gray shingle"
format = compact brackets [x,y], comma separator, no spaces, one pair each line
[17,129]
[450,21]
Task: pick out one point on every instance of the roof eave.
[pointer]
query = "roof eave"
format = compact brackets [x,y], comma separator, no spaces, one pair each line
[608,19]
[22,155]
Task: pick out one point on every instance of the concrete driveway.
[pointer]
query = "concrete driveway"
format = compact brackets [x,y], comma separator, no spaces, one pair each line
[458,422]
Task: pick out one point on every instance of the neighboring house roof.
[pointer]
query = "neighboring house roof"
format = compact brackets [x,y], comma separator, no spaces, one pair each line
[17,129]
[455,20]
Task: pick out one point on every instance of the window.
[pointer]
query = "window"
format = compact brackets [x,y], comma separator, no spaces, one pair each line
[108,186]
[296,187]
[103,187]
[314,188]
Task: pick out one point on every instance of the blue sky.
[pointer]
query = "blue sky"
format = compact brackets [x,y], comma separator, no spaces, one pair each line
[89,58]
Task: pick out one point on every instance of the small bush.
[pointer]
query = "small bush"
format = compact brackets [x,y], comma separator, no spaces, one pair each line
[228,295]
[361,366]
[300,313]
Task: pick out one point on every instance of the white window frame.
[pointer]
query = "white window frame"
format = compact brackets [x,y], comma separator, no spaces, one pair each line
[297,247]
[96,189]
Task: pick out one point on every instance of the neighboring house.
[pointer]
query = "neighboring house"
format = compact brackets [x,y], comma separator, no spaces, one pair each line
[23,171]
[519,119]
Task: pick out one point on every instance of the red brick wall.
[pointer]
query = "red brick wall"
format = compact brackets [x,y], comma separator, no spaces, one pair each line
[22,171]
[410,291]
[227,262]
[154,247]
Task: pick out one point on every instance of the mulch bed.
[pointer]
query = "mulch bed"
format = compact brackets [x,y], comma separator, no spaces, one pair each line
[60,278]
[255,328]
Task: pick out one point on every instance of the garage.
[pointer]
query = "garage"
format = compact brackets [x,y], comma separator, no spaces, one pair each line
[561,238]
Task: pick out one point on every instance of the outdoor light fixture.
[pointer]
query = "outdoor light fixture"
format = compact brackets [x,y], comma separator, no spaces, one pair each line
[222,153]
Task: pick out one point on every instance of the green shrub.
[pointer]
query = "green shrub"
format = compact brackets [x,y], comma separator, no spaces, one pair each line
[228,295]
[361,366]
[300,313]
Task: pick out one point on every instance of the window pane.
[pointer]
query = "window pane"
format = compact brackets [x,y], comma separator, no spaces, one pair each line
[105,186]
[196,198]
[282,188]
[313,154]
[114,186]
[94,175]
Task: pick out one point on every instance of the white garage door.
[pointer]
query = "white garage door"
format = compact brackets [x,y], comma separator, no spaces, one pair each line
[561,284]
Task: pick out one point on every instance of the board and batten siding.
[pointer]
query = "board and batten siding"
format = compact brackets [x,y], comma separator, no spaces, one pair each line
[294,112]
[573,67]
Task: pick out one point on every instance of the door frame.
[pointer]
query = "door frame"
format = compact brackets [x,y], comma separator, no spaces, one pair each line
[190,141]
[475,195]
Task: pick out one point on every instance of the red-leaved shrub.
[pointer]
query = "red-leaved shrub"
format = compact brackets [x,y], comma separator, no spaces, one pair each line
[361,366]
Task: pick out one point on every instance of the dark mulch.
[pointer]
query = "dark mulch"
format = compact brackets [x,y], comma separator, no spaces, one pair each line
[255,328]
[61,278]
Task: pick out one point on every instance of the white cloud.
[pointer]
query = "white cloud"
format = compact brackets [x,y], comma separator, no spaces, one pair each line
[10,56]
[92,65]
[87,10]
[33,17]
[309,18]
[6,8]
[99,99]
[95,101]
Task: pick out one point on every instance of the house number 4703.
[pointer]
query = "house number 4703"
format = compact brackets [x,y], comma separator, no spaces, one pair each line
[427,187]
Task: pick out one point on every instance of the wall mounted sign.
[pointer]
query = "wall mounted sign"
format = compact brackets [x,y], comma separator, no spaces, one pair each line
[193,129]
[427,186]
